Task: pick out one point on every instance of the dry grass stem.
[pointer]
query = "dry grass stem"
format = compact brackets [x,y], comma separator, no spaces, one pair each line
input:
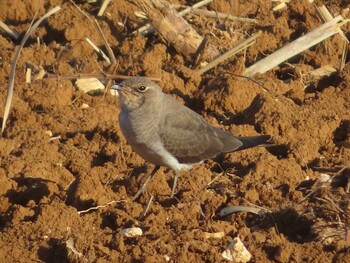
[70,247]
[214,14]
[9,31]
[41,74]
[317,74]
[55,138]
[328,232]
[239,47]
[212,181]
[303,43]
[147,207]
[103,8]
[28,75]
[108,47]
[327,16]
[93,75]
[98,50]
[100,206]
[281,4]
[208,235]
[30,30]
[80,10]
[70,185]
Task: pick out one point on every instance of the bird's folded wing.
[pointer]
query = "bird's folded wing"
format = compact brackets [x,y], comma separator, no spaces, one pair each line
[188,137]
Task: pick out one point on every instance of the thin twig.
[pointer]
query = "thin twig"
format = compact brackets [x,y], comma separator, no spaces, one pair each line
[299,45]
[55,138]
[239,47]
[337,169]
[342,170]
[146,208]
[93,75]
[70,184]
[98,50]
[346,224]
[31,28]
[209,183]
[103,8]
[252,80]
[110,81]
[9,31]
[29,75]
[108,47]
[80,10]
[327,16]
[100,206]
[214,14]
[71,248]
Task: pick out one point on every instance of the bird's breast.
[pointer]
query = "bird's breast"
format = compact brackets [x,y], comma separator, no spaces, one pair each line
[142,135]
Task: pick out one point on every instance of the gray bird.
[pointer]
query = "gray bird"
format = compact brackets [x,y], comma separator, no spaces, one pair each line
[166,133]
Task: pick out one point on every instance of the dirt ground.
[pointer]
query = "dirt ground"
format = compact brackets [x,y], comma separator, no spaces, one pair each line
[59,157]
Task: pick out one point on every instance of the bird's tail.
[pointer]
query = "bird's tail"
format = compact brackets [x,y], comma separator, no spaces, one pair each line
[253,141]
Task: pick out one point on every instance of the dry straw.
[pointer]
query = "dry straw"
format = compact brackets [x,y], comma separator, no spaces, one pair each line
[30,30]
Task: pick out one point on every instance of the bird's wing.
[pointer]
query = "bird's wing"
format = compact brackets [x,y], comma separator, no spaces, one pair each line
[188,137]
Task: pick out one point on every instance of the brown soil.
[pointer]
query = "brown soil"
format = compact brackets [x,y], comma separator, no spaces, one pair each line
[44,183]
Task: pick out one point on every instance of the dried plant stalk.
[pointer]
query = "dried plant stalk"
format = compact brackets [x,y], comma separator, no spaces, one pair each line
[327,16]
[11,85]
[92,75]
[297,46]
[103,8]
[8,30]
[317,74]
[147,29]
[98,50]
[29,75]
[237,48]
[173,28]
[214,14]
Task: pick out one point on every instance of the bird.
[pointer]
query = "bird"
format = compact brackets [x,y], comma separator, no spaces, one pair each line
[166,133]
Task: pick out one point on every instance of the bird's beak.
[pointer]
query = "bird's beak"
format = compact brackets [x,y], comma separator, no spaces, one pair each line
[120,88]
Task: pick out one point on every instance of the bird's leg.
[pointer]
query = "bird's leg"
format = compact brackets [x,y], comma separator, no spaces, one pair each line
[174,184]
[144,186]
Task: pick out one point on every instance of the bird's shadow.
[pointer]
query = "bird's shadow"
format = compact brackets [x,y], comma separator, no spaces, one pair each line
[138,174]
[296,227]
[247,116]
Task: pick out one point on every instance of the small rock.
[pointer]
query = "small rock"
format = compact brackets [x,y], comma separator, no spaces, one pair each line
[90,85]
[49,133]
[237,252]
[84,106]
[214,235]
[131,232]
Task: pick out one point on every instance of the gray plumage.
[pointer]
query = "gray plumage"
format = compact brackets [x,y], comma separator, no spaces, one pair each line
[167,133]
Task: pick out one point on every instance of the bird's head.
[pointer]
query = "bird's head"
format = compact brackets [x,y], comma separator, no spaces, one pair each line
[134,92]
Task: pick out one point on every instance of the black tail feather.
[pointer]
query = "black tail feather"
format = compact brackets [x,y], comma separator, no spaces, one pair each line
[253,141]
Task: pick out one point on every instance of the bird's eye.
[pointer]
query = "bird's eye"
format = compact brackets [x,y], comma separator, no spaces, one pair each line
[142,88]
